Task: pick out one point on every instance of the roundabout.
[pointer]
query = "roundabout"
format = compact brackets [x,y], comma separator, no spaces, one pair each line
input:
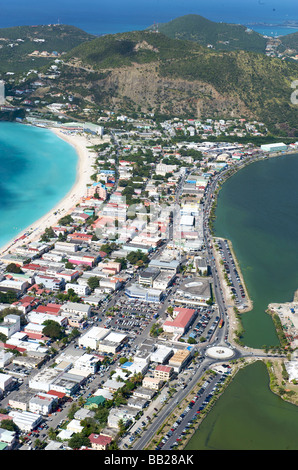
[220,352]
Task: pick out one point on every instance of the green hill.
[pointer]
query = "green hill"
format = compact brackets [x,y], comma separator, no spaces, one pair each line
[220,36]
[124,49]
[151,72]
[290,41]
[18,43]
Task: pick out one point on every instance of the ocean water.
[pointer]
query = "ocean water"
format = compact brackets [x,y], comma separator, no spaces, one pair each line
[113,16]
[37,170]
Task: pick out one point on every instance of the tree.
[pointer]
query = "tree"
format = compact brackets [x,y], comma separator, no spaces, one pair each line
[93,282]
[78,440]
[9,425]
[66,220]
[13,268]
[48,233]
[53,330]
[69,265]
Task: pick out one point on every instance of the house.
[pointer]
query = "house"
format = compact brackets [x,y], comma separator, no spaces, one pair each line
[10,325]
[99,441]
[78,289]
[25,304]
[163,372]
[152,383]
[94,402]
[78,237]
[77,309]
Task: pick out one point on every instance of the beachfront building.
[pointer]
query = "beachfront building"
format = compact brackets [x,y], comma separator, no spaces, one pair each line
[2,92]
[93,128]
[277,147]
[98,189]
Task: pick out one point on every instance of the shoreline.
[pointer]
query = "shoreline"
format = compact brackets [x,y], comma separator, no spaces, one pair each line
[84,171]
[234,321]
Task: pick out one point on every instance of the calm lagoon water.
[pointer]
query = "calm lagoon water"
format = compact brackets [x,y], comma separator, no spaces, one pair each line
[248,416]
[37,170]
[258,211]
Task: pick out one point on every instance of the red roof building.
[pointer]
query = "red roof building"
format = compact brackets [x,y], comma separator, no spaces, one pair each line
[99,441]
[182,319]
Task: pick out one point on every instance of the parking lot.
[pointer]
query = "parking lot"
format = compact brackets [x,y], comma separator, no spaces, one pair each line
[233,276]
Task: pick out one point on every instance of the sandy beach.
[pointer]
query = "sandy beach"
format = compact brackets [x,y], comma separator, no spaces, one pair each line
[84,171]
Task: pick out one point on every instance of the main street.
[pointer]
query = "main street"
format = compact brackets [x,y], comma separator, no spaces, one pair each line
[206,362]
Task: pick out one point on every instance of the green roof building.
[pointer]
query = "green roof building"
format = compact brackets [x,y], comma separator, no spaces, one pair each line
[94,402]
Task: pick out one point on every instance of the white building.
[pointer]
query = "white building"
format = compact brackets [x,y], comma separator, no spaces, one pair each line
[5,358]
[11,324]
[277,147]
[40,318]
[14,285]
[112,342]
[42,403]
[6,381]
[86,364]
[75,308]
[92,337]
[66,247]
[25,420]
[161,354]
[8,437]
[44,379]
[78,288]
[125,414]
[2,92]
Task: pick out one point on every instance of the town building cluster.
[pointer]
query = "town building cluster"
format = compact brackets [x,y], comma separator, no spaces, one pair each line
[135,239]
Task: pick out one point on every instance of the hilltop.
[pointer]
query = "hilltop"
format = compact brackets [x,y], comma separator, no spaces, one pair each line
[219,36]
[149,72]
[26,47]
[152,72]
[290,41]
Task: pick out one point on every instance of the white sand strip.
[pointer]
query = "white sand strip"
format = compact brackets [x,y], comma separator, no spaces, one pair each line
[84,171]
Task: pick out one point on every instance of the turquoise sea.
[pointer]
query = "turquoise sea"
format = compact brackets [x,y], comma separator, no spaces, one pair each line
[37,170]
